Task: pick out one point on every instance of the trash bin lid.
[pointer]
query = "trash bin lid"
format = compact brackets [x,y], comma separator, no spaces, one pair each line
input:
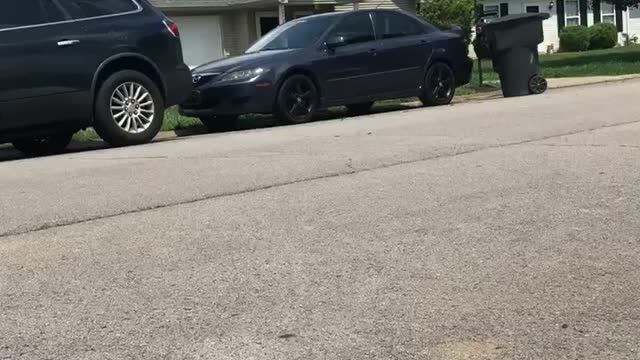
[516,18]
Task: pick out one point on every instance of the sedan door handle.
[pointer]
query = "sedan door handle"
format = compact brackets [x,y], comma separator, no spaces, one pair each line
[68,42]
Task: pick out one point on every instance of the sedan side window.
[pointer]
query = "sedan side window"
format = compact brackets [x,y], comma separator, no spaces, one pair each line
[18,13]
[392,25]
[354,29]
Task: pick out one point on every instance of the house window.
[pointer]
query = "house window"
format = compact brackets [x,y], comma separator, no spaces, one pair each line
[532,9]
[572,12]
[491,11]
[608,12]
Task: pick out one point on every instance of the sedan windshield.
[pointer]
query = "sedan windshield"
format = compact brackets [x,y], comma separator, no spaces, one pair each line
[295,34]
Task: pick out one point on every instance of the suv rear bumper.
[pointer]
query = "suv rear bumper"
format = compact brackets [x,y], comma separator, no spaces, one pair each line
[178,85]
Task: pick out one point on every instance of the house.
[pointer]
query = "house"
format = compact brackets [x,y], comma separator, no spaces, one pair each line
[213,29]
[566,13]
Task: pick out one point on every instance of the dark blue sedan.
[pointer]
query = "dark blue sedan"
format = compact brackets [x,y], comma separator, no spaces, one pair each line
[352,58]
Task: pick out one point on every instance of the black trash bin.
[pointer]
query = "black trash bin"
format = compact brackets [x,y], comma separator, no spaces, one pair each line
[512,42]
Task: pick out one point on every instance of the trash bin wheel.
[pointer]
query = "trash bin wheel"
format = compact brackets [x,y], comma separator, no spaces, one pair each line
[537,84]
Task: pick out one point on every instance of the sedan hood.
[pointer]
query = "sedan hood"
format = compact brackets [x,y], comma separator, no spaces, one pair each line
[241,62]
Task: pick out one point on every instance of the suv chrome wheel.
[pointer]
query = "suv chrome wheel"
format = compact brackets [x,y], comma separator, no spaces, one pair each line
[132,107]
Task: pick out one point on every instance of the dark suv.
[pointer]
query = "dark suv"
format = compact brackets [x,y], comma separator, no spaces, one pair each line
[69,64]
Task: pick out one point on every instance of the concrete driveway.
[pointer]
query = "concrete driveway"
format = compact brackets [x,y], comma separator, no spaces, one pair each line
[487,230]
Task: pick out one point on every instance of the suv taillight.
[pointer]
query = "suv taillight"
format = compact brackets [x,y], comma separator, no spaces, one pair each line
[172,27]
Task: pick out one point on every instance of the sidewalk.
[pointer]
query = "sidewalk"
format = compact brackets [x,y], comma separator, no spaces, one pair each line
[556,83]
[578,81]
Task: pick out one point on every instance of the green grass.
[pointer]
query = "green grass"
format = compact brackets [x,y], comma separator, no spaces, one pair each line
[610,62]
[617,61]
[172,121]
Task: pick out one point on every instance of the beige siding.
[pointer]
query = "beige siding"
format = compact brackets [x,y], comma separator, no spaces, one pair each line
[311,2]
[207,4]
[238,31]
[406,5]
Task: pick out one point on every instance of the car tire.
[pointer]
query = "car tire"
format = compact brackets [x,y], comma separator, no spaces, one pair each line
[439,85]
[220,123]
[43,145]
[297,100]
[129,109]
[359,109]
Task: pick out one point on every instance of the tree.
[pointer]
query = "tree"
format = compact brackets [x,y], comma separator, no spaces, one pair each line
[450,12]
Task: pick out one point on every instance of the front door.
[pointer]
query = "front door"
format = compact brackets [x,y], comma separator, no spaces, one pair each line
[265,22]
[347,68]
[37,82]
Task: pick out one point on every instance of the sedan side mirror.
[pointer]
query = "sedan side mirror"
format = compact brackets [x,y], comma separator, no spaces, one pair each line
[335,42]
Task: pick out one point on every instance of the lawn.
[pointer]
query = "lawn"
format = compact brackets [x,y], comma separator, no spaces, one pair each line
[617,61]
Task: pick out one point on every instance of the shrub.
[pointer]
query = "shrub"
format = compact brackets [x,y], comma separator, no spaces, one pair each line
[448,12]
[603,36]
[574,38]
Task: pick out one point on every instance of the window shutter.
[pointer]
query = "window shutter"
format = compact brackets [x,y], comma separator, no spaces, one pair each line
[560,14]
[504,9]
[619,18]
[584,10]
[597,13]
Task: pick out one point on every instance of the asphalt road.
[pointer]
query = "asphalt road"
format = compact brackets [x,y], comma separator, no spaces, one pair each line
[502,229]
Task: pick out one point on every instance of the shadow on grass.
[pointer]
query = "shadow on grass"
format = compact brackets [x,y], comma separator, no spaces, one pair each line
[8,153]
[621,55]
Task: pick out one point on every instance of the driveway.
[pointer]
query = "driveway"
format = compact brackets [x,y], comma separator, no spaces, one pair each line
[487,230]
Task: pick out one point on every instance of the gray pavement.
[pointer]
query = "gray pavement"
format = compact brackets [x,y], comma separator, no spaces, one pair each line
[487,230]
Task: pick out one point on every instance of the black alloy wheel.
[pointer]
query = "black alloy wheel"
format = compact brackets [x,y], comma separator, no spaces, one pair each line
[439,85]
[297,100]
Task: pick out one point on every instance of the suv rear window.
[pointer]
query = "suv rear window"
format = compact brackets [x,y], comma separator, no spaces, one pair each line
[17,13]
[82,9]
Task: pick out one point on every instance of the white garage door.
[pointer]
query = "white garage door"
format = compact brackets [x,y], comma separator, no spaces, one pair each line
[201,38]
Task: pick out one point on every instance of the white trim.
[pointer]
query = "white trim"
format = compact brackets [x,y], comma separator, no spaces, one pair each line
[259,15]
[603,14]
[566,18]
[139,9]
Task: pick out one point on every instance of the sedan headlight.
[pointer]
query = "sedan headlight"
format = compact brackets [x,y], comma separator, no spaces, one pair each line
[243,75]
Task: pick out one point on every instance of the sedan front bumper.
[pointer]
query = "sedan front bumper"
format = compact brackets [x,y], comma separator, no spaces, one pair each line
[231,99]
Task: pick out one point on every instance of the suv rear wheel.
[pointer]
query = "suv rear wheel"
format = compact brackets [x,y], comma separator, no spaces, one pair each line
[43,144]
[129,109]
